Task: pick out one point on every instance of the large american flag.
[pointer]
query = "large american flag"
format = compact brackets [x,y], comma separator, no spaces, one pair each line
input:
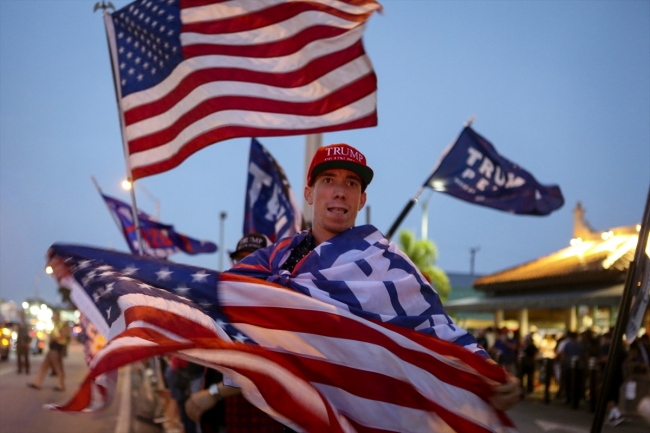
[194,72]
[311,365]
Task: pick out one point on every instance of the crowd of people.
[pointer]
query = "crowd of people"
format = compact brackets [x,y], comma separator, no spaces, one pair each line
[569,363]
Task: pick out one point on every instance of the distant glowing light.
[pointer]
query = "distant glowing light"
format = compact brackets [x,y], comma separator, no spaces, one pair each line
[49,270]
[607,235]
[438,185]
[25,305]
[638,227]
[126,184]
[575,242]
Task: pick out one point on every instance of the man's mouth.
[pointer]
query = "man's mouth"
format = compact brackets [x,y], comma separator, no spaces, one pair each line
[338,210]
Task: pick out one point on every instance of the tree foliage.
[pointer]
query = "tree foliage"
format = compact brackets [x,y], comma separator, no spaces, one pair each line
[424,254]
[65,297]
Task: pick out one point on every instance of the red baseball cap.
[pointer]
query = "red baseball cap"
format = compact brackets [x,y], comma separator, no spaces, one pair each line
[339,156]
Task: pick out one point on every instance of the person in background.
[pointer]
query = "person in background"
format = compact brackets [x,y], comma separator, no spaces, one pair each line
[179,375]
[22,344]
[504,351]
[220,404]
[547,354]
[614,416]
[481,339]
[573,360]
[59,339]
[528,363]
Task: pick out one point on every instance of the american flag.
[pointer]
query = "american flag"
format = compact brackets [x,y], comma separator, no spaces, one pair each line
[195,72]
[311,365]
[271,207]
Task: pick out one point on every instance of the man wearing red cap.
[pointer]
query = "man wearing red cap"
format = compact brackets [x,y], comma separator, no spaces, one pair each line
[356,268]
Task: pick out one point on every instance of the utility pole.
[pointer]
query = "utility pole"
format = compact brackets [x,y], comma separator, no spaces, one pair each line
[222,218]
[472,254]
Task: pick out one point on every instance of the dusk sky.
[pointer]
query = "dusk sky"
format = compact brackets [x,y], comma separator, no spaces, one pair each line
[560,88]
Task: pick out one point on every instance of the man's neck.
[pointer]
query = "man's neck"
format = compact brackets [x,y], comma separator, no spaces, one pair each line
[321,235]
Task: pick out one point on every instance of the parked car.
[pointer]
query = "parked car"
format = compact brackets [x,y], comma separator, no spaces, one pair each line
[5,342]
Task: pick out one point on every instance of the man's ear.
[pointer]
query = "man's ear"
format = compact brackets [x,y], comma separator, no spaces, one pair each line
[362,200]
[309,194]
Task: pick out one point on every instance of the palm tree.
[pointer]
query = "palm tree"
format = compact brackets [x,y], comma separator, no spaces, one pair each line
[424,253]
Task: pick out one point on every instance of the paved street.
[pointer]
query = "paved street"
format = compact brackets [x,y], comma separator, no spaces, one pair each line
[21,408]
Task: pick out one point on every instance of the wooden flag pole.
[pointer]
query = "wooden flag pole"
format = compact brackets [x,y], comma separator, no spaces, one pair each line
[621,321]
[112,49]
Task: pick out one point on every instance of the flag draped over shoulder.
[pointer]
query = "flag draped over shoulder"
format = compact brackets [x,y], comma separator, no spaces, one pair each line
[311,365]
[271,207]
[360,271]
[195,72]
[472,170]
[159,240]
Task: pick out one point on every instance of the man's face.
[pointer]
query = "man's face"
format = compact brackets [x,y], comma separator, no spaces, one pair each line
[336,198]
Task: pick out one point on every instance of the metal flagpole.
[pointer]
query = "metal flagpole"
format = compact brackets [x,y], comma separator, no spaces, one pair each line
[222,219]
[402,215]
[424,230]
[414,200]
[112,49]
[117,223]
[621,320]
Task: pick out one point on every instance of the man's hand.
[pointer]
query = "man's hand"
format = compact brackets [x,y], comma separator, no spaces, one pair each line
[507,395]
[198,403]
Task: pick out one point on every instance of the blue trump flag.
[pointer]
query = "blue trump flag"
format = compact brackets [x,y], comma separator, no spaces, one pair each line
[271,207]
[159,240]
[472,170]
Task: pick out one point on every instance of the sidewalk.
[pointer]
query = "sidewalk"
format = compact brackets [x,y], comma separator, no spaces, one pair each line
[533,415]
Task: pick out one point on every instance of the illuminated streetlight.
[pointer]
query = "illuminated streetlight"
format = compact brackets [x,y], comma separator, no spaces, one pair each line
[126,184]
[49,270]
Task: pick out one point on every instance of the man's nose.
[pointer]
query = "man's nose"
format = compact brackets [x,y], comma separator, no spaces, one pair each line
[339,190]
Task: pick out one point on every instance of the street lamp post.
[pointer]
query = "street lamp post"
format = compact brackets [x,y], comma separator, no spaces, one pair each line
[222,218]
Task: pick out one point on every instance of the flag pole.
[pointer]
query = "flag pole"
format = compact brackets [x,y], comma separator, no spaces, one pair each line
[621,320]
[414,200]
[117,223]
[405,211]
[312,143]
[112,49]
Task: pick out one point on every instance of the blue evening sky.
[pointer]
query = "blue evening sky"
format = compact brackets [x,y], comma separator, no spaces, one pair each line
[561,88]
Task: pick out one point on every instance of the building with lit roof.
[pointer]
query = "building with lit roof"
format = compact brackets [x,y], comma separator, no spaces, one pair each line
[575,288]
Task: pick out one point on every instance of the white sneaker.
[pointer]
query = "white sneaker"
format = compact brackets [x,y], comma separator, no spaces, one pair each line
[615,421]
